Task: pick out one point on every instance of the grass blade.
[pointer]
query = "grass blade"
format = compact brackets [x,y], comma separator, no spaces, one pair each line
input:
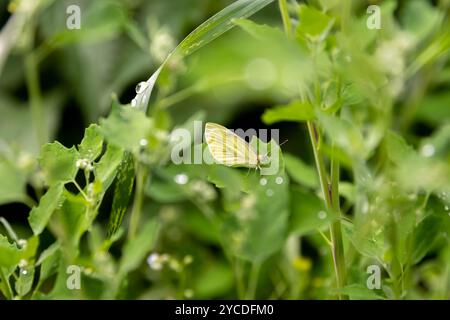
[204,34]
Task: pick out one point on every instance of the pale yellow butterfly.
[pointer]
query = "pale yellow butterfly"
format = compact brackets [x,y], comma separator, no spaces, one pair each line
[229,149]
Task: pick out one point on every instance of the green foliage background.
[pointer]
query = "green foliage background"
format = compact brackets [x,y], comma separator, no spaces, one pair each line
[86,178]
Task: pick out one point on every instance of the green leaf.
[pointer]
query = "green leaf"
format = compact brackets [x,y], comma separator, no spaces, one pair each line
[49,260]
[40,215]
[313,23]
[25,281]
[136,249]
[345,134]
[308,212]
[71,221]
[425,237]
[92,144]
[10,255]
[215,281]
[116,128]
[122,193]
[397,148]
[301,172]
[106,168]
[165,192]
[12,186]
[258,227]
[359,292]
[295,111]
[208,31]
[58,163]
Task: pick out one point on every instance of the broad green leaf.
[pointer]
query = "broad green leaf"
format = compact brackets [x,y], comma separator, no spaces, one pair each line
[106,168]
[51,201]
[308,212]
[13,180]
[30,249]
[122,193]
[215,281]
[397,149]
[295,111]
[258,228]
[345,134]
[10,255]
[25,281]
[48,260]
[58,163]
[429,174]
[201,36]
[313,23]
[136,249]
[301,172]
[117,127]
[165,192]
[92,143]
[425,237]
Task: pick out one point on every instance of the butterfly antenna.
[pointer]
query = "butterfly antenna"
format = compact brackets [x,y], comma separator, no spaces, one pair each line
[283,142]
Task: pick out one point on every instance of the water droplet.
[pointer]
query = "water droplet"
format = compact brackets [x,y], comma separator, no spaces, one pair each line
[279,180]
[181,178]
[143,142]
[133,103]
[428,150]
[141,86]
[24,272]
[322,215]
[263,181]
[269,192]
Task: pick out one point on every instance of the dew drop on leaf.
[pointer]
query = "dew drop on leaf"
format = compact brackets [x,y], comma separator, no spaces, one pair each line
[322,215]
[181,179]
[141,87]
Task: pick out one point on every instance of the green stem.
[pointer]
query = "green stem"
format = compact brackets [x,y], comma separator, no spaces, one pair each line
[253,280]
[239,279]
[336,230]
[330,192]
[285,16]
[141,178]
[34,92]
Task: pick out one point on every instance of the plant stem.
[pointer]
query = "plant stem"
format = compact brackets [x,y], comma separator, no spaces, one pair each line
[285,16]
[336,230]
[331,195]
[34,92]
[253,280]
[141,179]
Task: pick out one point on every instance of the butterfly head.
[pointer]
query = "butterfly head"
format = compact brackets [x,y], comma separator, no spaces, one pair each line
[263,159]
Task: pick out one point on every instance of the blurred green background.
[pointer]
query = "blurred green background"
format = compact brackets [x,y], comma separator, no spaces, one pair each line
[74,73]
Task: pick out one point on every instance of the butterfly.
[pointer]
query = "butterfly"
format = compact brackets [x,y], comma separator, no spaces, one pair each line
[229,149]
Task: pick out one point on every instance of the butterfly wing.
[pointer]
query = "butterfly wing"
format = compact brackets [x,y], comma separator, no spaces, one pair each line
[228,148]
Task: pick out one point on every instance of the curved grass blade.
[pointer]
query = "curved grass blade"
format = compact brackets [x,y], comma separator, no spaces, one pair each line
[204,34]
